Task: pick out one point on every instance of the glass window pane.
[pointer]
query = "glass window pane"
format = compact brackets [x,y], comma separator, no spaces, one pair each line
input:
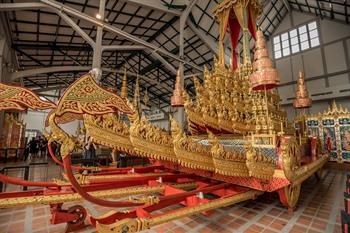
[313,34]
[285,44]
[286,52]
[293,33]
[312,25]
[303,37]
[278,54]
[302,29]
[284,36]
[277,47]
[276,39]
[315,42]
[305,45]
[294,40]
[295,48]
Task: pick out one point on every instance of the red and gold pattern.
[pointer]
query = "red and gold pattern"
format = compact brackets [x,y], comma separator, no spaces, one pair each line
[19,98]
[86,96]
[10,106]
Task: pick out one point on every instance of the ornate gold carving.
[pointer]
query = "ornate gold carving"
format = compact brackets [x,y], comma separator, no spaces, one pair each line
[147,200]
[124,90]
[221,202]
[230,4]
[109,131]
[335,111]
[190,153]
[139,224]
[19,98]
[112,193]
[136,100]
[67,142]
[126,225]
[302,99]
[150,141]
[292,193]
[228,163]
[290,157]
[259,165]
[176,99]
[146,98]
[86,96]
[264,76]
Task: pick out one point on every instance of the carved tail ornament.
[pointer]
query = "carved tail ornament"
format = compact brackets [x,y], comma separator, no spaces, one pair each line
[19,98]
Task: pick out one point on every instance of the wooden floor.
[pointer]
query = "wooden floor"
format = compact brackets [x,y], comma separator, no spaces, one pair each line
[318,211]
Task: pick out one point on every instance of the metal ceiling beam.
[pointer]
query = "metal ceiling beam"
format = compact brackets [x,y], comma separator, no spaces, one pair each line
[21,6]
[183,19]
[319,8]
[154,4]
[210,43]
[108,27]
[75,27]
[165,62]
[122,47]
[69,10]
[50,46]
[55,69]
[286,3]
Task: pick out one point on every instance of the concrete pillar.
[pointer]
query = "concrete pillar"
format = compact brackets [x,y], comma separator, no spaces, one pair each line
[97,57]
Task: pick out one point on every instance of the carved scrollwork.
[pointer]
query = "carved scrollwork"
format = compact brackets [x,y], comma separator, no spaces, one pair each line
[260,166]
[67,142]
[190,153]
[229,163]
[127,225]
[109,131]
[19,98]
[151,141]
[290,157]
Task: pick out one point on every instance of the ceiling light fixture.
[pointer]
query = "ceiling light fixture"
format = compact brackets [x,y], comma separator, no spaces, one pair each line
[98,16]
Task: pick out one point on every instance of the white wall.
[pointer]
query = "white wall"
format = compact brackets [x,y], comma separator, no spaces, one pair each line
[326,67]
[35,120]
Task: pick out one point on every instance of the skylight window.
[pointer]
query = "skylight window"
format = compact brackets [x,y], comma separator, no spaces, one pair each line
[296,40]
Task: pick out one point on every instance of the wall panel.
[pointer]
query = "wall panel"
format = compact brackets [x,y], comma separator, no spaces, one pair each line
[297,64]
[338,80]
[332,31]
[300,18]
[284,69]
[313,63]
[335,57]
[316,86]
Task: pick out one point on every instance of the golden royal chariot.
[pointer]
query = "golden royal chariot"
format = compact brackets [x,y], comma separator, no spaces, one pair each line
[239,145]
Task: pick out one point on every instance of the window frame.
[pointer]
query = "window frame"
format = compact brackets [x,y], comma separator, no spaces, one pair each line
[299,42]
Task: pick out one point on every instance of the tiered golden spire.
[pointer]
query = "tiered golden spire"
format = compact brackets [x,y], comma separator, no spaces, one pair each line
[146,98]
[124,90]
[302,99]
[265,76]
[176,99]
[136,101]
